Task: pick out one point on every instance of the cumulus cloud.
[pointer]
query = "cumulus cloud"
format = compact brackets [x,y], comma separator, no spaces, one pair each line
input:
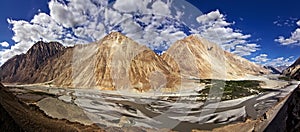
[276,62]
[261,58]
[77,22]
[214,17]
[161,8]
[63,15]
[246,49]
[4,44]
[81,22]
[216,29]
[281,61]
[41,27]
[293,39]
[129,6]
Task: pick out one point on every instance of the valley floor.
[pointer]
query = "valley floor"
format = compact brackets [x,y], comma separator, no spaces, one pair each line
[185,110]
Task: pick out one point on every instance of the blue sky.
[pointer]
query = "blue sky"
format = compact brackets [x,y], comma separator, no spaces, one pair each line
[24,10]
[257,17]
[264,20]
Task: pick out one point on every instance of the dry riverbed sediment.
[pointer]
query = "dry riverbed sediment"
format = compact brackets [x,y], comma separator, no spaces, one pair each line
[181,111]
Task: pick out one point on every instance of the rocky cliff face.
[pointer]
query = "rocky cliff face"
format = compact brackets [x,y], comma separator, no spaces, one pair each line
[116,62]
[130,65]
[197,57]
[22,68]
[293,71]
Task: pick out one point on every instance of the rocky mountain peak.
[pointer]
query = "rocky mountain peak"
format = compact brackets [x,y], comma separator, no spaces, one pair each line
[41,51]
[197,57]
[45,48]
[193,36]
[187,39]
[114,38]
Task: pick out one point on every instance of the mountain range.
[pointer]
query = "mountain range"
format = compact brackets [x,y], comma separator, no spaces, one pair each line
[118,62]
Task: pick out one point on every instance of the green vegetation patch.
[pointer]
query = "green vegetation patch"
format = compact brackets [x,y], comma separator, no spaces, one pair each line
[229,90]
[285,78]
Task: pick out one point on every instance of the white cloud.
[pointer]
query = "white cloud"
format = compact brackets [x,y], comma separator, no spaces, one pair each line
[215,28]
[280,61]
[152,23]
[246,49]
[129,6]
[77,21]
[42,26]
[285,41]
[262,58]
[4,44]
[161,8]
[112,17]
[211,17]
[67,15]
[294,38]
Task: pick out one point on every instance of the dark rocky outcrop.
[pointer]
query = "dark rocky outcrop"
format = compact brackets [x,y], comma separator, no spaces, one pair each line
[288,118]
[7,123]
[293,71]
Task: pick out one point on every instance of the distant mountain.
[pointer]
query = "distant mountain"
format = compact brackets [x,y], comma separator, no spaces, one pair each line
[281,68]
[273,70]
[293,71]
[196,57]
[118,62]
[22,68]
